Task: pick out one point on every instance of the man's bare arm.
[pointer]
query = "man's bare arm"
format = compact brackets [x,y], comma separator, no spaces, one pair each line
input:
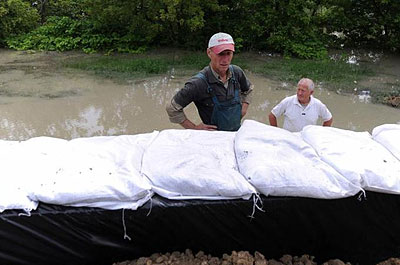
[245,106]
[272,120]
[328,123]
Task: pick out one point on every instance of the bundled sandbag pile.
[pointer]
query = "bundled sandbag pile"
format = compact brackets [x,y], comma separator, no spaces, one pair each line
[192,164]
[13,192]
[357,157]
[279,163]
[388,135]
[93,172]
[123,172]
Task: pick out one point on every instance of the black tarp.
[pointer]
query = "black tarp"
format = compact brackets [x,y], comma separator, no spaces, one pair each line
[362,231]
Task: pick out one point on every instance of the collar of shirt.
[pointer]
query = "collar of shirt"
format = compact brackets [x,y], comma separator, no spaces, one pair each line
[215,74]
[296,102]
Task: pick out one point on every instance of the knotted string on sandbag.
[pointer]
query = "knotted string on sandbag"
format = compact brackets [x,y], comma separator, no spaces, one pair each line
[123,223]
[256,198]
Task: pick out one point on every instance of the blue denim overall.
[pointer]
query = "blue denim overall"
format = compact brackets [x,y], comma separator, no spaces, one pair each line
[226,115]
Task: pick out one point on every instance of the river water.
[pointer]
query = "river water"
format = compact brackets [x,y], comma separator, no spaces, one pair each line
[39,98]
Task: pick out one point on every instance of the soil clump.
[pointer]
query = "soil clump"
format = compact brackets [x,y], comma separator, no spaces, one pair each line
[235,258]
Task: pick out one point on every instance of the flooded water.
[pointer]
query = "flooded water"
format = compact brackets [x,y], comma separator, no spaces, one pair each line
[39,99]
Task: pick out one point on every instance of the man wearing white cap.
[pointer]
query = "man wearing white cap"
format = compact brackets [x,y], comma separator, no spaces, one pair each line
[301,109]
[221,91]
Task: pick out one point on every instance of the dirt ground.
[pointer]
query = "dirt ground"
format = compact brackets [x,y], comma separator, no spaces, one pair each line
[235,258]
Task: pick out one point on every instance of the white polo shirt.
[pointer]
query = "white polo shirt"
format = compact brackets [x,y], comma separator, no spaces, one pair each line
[297,116]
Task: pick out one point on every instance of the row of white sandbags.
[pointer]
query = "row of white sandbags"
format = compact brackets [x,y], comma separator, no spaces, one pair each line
[95,172]
[357,156]
[107,171]
[122,171]
[319,162]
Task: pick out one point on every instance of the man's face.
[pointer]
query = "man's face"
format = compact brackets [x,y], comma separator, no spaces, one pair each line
[303,94]
[220,62]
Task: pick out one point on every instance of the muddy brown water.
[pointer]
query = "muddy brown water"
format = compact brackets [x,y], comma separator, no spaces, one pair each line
[37,98]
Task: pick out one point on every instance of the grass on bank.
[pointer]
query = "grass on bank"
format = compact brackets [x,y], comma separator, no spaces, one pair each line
[282,69]
[335,75]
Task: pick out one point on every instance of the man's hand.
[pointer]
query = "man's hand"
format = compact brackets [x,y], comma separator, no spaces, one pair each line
[187,124]
[207,127]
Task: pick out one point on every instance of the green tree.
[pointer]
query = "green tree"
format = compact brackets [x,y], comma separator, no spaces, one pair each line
[367,23]
[300,28]
[179,19]
[16,17]
[130,21]
[60,8]
[291,26]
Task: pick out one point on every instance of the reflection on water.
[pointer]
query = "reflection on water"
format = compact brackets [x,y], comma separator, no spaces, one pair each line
[104,107]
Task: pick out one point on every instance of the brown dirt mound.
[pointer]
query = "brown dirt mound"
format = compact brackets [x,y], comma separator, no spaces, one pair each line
[236,258]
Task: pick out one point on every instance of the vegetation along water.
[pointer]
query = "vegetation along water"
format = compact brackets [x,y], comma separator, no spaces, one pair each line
[305,31]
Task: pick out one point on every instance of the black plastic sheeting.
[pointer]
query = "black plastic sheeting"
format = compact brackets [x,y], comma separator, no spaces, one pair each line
[362,231]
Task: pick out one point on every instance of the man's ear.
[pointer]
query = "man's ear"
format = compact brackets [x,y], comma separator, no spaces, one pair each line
[312,91]
[209,53]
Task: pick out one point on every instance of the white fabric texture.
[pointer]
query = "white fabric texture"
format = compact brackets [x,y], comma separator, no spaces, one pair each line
[195,164]
[296,116]
[13,192]
[11,197]
[279,163]
[388,135]
[99,171]
[357,157]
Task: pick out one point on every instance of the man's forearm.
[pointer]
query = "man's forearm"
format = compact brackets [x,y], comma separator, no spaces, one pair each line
[272,120]
[245,106]
[175,112]
[328,123]
[187,124]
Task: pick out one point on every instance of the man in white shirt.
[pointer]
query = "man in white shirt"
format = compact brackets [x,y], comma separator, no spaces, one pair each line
[301,109]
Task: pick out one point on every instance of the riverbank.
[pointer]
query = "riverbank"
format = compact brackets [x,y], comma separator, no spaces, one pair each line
[371,74]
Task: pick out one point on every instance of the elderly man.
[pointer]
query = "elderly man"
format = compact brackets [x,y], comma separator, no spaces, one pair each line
[221,91]
[301,109]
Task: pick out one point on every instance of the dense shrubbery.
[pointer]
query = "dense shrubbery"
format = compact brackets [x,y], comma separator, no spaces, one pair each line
[16,17]
[299,28]
[64,33]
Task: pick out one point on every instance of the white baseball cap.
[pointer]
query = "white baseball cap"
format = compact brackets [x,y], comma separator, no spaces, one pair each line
[220,42]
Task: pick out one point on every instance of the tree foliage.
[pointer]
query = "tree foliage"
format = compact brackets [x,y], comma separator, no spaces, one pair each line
[16,17]
[300,28]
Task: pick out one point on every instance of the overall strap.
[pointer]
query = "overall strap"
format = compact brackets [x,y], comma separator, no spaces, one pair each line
[209,89]
[233,74]
[234,82]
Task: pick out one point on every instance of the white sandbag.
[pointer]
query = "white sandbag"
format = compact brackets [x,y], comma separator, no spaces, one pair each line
[99,171]
[279,163]
[388,135]
[356,156]
[13,194]
[193,164]
[12,197]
